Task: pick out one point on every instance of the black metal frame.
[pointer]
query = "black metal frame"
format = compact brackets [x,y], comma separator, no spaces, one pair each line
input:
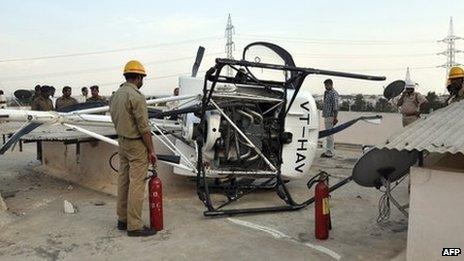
[214,76]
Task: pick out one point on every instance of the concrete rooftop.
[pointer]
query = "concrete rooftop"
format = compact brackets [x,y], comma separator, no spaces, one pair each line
[35,227]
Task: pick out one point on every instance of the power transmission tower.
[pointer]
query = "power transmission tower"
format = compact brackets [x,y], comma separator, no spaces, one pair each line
[451,50]
[230,45]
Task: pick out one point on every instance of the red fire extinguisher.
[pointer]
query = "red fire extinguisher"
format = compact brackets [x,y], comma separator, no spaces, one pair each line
[321,207]
[155,200]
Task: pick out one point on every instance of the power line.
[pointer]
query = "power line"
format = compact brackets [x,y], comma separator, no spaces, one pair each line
[366,56]
[104,51]
[388,69]
[77,72]
[334,41]
[155,78]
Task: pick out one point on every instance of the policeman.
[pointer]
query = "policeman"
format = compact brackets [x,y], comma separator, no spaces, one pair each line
[43,102]
[411,102]
[95,96]
[129,113]
[456,84]
[36,92]
[65,100]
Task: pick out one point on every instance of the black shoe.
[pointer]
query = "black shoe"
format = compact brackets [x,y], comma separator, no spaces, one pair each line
[122,225]
[323,155]
[143,232]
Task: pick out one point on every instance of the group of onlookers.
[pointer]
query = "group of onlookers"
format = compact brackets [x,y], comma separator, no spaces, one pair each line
[44,97]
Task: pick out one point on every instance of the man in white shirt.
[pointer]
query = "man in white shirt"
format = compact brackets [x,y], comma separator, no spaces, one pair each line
[84,94]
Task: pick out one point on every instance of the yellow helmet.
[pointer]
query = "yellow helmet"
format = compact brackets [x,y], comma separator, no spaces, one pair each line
[456,72]
[134,66]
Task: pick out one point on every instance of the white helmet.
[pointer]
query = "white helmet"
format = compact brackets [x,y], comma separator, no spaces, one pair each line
[409,83]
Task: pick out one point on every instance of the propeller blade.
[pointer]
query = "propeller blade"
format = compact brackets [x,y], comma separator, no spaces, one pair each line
[27,128]
[196,65]
[376,121]
[370,119]
[81,106]
[169,158]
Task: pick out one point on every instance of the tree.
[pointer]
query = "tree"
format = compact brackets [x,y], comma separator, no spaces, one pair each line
[434,102]
[382,105]
[345,106]
[359,103]
[369,107]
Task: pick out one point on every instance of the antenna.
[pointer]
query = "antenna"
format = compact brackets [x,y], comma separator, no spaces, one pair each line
[230,45]
[451,51]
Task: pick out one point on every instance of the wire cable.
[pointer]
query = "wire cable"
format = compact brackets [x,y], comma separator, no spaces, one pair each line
[105,51]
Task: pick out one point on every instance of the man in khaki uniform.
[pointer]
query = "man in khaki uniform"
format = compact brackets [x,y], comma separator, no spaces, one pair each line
[129,113]
[411,102]
[95,96]
[43,102]
[36,92]
[65,100]
[456,84]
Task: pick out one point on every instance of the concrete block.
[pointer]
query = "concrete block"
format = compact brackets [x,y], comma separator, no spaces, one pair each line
[69,207]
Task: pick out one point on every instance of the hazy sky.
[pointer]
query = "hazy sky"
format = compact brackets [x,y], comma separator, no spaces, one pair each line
[96,38]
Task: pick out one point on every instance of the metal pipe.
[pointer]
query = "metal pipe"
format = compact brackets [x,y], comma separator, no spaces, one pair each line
[241,172]
[268,162]
[256,114]
[299,69]
[273,107]
[257,98]
[92,134]
[246,115]
[253,158]
[171,146]
[245,155]
[149,102]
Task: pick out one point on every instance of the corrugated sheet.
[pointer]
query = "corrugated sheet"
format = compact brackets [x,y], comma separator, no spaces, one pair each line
[61,133]
[442,131]
[56,132]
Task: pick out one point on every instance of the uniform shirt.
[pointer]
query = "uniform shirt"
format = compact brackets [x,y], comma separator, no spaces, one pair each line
[42,104]
[459,96]
[65,102]
[411,103]
[330,103]
[97,99]
[129,113]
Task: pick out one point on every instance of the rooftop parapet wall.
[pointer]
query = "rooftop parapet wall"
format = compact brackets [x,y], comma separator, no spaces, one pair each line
[90,168]
[363,133]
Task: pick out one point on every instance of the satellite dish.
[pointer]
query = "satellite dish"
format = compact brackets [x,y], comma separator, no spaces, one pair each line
[377,163]
[23,95]
[394,89]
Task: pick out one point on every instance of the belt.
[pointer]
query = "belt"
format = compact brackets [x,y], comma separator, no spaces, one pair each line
[126,138]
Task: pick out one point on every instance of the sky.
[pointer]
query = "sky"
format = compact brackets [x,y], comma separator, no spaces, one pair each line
[83,43]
